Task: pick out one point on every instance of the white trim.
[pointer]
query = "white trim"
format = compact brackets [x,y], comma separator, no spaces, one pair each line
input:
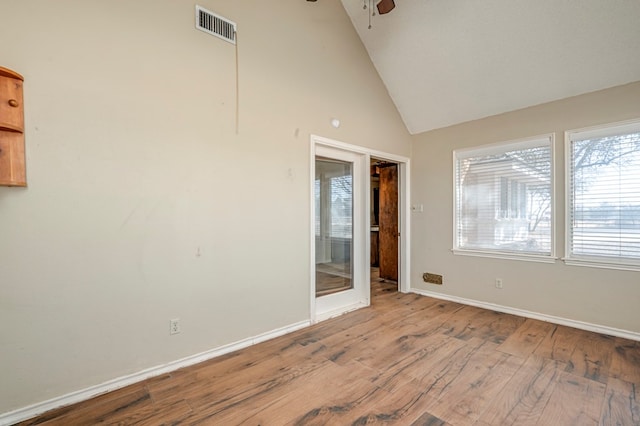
[604,130]
[505,255]
[567,195]
[626,334]
[554,200]
[312,232]
[603,264]
[340,311]
[359,149]
[499,147]
[34,410]
[454,202]
[405,226]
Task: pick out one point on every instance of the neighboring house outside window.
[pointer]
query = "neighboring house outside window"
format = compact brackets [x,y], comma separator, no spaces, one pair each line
[504,200]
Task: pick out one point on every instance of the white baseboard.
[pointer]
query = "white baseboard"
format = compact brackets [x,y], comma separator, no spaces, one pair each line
[34,410]
[632,335]
[340,311]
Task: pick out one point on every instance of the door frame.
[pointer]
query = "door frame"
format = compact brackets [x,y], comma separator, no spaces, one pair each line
[404,219]
[338,302]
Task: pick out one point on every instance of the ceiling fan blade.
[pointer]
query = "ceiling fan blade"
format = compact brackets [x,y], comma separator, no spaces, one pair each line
[385,6]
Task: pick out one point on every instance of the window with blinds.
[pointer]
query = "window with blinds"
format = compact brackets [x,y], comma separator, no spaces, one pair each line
[603,217]
[504,200]
[341,206]
[333,194]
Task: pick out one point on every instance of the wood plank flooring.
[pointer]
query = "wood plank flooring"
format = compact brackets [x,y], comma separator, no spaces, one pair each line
[332,278]
[406,360]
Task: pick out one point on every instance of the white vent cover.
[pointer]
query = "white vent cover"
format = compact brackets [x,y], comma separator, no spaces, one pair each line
[216,25]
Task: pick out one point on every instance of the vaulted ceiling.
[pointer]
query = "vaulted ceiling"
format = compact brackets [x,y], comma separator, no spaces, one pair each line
[450,61]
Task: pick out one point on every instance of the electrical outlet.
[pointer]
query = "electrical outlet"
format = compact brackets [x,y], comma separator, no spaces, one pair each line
[174,326]
[498,282]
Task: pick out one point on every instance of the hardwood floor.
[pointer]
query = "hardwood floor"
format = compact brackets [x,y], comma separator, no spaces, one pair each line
[406,360]
[332,278]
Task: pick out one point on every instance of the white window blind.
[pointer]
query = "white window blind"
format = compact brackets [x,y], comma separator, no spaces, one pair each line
[333,192]
[504,199]
[604,195]
[317,205]
[341,206]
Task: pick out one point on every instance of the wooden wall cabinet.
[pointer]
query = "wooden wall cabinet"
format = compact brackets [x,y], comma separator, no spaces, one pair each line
[12,155]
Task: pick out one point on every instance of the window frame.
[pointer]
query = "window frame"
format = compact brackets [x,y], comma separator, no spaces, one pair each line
[602,130]
[523,143]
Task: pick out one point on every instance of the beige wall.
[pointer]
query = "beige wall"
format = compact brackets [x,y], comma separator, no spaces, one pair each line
[143,202]
[599,296]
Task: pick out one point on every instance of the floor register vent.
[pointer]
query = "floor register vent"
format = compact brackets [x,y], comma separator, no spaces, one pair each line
[216,25]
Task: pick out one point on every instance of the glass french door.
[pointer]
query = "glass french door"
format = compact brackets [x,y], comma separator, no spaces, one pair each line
[338,214]
[334,226]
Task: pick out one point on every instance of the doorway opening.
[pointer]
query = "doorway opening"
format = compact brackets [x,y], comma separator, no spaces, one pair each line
[384,219]
[341,225]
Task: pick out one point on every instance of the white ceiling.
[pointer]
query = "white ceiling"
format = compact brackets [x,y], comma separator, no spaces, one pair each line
[450,61]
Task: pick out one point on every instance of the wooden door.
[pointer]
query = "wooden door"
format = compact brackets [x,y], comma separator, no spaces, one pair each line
[388,214]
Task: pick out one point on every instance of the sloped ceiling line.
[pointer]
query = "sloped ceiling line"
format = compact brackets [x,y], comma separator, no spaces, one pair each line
[445,62]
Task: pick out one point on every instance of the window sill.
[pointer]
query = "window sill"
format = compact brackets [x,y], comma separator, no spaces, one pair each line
[602,263]
[508,256]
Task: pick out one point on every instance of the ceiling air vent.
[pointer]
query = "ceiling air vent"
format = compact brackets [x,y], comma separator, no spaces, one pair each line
[216,25]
